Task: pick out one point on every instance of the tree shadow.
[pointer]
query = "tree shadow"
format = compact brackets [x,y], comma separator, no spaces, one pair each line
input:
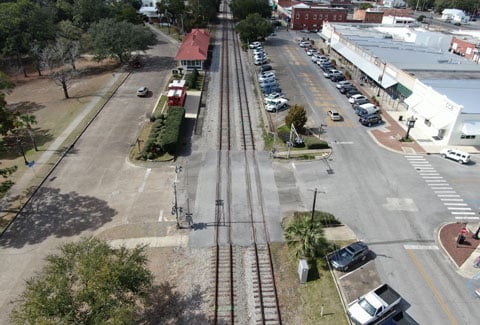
[50,212]
[10,148]
[24,107]
[168,306]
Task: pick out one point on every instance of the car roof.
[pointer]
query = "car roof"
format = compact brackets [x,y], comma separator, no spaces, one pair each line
[357,246]
[367,105]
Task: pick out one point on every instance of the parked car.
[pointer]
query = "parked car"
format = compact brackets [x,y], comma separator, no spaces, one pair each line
[268,83]
[326,67]
[346,257]
[370,119]
[311,51]
[346,88]
[304,44]
[334,115]
[142,91]
[276,104]
[330,72]
[366,109]
[455,154]
[271,89]
[260,61]
[323,60]
[343,83]
[258,50]
[266,67]
[318,56]
[273,96]
[267,78]
[353,98]
[266,74]
[361,101]
[335,77]
[254,45]
[352,92]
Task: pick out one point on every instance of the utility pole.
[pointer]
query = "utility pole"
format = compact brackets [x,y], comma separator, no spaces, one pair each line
[178,169]
[313,208]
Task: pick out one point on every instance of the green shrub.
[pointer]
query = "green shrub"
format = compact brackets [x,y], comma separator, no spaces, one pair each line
[314,143]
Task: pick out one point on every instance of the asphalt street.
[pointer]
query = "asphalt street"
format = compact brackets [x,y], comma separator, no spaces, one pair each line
[382,196]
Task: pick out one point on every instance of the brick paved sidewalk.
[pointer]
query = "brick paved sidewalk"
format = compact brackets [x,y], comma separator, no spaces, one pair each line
[463,255]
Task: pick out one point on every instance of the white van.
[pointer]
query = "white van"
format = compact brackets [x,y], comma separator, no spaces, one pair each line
[457,155]
[366,109]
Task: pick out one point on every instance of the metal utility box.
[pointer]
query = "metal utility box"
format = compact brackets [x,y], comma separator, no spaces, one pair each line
[303,271]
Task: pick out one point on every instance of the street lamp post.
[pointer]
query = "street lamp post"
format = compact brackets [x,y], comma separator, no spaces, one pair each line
[410,124]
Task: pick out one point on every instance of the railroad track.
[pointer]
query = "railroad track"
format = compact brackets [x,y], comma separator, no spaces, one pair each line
[245,290]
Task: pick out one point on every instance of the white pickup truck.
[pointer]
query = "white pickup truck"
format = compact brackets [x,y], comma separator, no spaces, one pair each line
[374,305]
[274,105]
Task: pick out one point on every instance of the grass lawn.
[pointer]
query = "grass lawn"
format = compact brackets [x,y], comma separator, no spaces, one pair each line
[302,303]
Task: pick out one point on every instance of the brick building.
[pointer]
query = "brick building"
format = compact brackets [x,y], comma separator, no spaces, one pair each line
[467,47]
[371,16]
[311,17]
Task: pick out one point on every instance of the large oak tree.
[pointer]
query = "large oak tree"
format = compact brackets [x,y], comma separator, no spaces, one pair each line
[88,282]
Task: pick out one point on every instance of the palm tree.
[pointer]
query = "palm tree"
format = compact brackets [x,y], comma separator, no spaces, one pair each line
[305,237]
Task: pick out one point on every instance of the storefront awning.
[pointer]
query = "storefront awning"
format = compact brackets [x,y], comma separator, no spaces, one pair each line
[367,67]
[471,127]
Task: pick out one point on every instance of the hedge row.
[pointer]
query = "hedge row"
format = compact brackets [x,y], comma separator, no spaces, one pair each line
[165,134]
[192,79]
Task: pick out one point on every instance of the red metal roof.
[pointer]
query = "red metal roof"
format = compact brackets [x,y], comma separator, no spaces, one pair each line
[194,46]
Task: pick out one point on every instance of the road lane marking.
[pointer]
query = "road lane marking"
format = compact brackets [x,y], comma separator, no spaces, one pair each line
[444,192]
[467,218]
[435,292]
[420,247]
[458,204]
[458,200]
[142,186]
[461,212]
[456,208]
[448,195]
[160,218]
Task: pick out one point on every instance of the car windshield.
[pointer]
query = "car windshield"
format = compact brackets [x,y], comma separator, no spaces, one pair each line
[344,253]
[367,307]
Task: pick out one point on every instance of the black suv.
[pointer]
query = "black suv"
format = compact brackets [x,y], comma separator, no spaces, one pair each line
[371,119]
[346,257]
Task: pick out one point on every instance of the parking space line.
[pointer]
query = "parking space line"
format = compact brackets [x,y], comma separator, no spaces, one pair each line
[429,282]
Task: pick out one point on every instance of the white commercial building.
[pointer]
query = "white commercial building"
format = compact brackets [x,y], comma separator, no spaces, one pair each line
[415,68]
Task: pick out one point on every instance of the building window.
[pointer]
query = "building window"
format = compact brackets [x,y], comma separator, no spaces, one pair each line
[315,17]
[306,16]
[320,16]
[334,17]
[469,137]
[297,16]
[428,123]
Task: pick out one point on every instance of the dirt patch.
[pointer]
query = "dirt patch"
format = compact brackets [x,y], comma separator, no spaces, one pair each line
[458,252]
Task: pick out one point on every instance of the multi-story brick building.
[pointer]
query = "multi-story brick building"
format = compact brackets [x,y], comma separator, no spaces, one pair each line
[311,17]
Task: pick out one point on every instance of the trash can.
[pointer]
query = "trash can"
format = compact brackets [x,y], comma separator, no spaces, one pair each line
[400,118]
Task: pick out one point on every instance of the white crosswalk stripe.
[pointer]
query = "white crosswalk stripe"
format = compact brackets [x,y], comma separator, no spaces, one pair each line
[447,195]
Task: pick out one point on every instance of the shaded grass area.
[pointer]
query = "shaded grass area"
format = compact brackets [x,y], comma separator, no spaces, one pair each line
[304,303]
